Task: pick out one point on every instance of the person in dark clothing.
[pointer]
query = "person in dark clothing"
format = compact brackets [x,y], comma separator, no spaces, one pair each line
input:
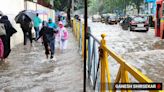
[26,26]
[6,38]
[47,34]
[59,17]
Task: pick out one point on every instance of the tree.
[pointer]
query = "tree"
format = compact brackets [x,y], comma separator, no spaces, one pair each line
[48,1]
[64,5]
[113,5]
[69,12]
[137,4]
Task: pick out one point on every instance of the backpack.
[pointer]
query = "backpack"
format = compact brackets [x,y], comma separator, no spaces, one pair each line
[2,29]
[65,34]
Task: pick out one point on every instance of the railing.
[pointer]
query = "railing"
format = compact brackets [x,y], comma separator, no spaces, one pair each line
[97,64]
[78,30]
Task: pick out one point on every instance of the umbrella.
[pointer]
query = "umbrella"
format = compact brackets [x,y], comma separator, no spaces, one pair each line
[28,13]
[41,12]
[19,18]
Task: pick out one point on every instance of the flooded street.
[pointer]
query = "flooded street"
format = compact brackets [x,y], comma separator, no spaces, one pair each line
[28,70]
[140,49]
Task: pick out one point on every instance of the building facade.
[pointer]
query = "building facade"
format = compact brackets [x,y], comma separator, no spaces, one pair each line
[150,7]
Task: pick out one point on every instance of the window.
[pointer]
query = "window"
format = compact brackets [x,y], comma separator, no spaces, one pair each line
[139,19]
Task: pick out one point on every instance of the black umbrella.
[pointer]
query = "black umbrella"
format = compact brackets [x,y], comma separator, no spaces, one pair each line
[28,13]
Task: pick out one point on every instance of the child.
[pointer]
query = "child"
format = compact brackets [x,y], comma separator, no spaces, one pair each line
[62,36]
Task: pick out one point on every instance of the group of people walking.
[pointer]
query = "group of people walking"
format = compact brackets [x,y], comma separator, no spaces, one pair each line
[52,34]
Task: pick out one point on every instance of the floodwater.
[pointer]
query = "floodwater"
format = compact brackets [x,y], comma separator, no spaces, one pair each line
[142,50]
[28,70]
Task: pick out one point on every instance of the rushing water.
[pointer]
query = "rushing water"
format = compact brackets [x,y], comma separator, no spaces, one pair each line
[140,49]
[28,70]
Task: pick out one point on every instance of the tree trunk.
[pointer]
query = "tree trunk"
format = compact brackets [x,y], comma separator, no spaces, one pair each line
[138,4]
[69,12]
[138,8]
[124,7]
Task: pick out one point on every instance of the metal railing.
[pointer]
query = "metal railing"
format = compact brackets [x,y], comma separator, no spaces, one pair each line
[78,30]
[97,63]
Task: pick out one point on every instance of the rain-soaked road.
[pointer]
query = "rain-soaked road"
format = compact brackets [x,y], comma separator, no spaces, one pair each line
[28,70]
[140,49]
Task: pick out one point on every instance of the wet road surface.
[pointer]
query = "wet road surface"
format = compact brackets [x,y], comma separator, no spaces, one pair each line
[28,70]
[140,49]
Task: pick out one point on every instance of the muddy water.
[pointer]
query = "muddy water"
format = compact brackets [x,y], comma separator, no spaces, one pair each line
[140,49]
[28,70]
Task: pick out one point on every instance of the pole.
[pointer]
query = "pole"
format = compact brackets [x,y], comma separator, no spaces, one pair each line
[85,34]
[73,4]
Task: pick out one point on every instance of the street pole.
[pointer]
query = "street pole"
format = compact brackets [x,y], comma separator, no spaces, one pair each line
[85,34]
[73,2]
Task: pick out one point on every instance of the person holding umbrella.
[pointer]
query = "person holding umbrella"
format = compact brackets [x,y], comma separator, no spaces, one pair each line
[25,19]
[26,25]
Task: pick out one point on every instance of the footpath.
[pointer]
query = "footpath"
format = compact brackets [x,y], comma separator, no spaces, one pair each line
[28,70]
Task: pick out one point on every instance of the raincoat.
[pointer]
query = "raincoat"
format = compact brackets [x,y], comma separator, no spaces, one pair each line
[62,36]
[9,32]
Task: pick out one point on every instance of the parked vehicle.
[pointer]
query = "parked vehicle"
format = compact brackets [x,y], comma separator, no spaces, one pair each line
[96,18]
[104,18]
[139,23]
[118,19]
[112,19]
[125,22]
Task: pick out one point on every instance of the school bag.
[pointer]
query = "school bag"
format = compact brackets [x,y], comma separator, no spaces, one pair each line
[2,29]
[64,34]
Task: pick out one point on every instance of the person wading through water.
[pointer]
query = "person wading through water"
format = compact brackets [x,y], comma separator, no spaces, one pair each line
[37,22]
[62,37]
[48,35]
[10,30]
[26,25]
[52,27]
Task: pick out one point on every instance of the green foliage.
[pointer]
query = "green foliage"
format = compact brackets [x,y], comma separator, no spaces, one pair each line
[47,1]
[60,5]
[94,6]
[104,6]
